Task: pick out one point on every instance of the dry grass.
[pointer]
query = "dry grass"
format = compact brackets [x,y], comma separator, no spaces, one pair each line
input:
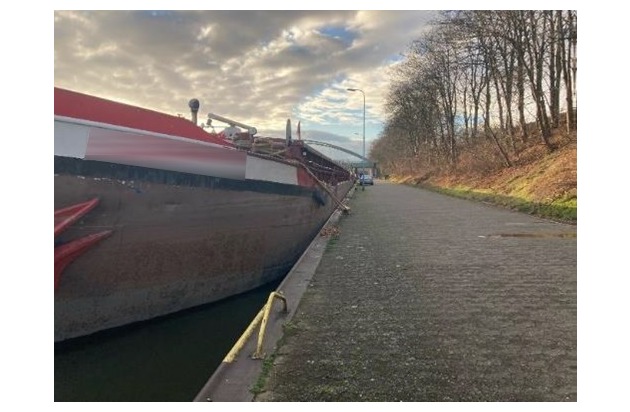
[539,182]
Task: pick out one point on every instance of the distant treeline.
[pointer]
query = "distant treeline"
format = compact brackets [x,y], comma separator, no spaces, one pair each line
[476,82]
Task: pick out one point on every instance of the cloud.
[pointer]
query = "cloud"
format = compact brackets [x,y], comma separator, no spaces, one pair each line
[258,67]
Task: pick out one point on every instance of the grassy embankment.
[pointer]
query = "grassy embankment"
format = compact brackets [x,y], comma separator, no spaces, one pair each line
[540,183]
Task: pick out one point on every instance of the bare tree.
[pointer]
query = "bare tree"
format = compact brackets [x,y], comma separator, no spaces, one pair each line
[569,64]
[481,66]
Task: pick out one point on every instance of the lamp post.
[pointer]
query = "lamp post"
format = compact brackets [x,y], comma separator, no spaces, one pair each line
[363,93]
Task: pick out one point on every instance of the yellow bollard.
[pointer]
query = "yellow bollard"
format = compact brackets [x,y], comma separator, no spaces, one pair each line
[261,333]
[229,358]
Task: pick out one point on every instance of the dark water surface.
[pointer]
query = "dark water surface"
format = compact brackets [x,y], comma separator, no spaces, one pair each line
[161,360]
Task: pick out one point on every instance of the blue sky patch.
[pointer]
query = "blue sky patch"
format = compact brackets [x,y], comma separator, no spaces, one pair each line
[157,13]
[340,33]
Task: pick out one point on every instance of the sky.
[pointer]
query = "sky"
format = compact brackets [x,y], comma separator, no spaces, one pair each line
[257,67]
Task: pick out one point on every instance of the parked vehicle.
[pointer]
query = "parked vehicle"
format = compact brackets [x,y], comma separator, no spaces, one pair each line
[366,180]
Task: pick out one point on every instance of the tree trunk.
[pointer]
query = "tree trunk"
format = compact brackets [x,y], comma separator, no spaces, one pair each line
[555,30]
[535,50]
[568,70]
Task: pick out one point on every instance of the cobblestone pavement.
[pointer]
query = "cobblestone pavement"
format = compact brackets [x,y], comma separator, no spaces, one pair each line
[425,297]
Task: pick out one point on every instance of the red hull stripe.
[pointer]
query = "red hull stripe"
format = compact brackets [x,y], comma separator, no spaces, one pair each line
[68,215]
[81,106]
[65,254]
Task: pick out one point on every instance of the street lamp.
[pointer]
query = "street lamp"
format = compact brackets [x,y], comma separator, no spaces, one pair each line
[363,93]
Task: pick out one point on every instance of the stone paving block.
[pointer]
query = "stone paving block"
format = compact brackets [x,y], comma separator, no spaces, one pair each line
[424,297]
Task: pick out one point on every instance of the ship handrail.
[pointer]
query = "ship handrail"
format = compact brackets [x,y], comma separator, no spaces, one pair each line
[338,202]
[297,163]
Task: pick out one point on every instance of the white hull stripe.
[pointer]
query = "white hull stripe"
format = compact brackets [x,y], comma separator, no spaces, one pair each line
[92,124]
[102,142]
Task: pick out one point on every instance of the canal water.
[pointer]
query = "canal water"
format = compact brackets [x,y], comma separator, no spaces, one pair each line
[168,359]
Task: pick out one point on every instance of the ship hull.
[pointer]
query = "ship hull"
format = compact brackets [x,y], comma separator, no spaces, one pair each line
[178,240]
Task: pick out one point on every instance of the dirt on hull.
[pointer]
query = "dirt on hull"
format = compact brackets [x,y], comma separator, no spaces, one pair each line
[173,247]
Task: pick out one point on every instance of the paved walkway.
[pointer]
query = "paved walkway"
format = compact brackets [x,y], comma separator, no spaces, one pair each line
[425,297]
